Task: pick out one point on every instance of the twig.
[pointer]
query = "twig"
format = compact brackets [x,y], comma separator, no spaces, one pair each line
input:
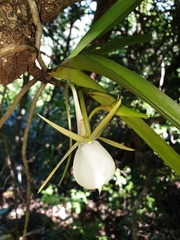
[24,145]
[16,101]
[39,30]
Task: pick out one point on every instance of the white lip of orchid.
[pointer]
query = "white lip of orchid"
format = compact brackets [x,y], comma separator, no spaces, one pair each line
[101,162]
[93,166]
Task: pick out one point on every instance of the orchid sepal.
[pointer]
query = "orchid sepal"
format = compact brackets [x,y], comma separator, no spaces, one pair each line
[96,133]
[58,165]
[66,132]
[115,144]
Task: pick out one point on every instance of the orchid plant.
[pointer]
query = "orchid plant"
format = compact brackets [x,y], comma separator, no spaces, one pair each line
[88,56]
[93,166]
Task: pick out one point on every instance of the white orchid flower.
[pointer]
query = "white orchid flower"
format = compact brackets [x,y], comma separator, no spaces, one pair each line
[93,166]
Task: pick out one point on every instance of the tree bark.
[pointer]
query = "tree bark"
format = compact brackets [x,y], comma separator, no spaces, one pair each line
[17,36]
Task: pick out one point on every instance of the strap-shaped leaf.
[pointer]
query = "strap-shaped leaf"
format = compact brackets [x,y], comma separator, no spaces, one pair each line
[106,101]
[83,80]
[120,10]
[139,86]
[155,142]
[117,44]
[75,76]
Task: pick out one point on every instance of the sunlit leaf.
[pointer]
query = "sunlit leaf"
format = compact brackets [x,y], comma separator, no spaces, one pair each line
[117,44]
[136,84]
[120,10]
[81,79]
[155,142]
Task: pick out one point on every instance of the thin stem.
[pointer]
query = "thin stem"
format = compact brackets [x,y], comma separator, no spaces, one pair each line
[94,111]
[24,159]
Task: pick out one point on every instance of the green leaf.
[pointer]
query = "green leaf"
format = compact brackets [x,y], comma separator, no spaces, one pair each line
[116,44]
[109,19]
[155,142]
[83,80]
[75,76]
[139,86]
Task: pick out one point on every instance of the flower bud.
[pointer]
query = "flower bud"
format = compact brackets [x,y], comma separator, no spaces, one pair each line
[93,166]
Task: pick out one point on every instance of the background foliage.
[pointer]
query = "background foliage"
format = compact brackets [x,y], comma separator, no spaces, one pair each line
[143,197]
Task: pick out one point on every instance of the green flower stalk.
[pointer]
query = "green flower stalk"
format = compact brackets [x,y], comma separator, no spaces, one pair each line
[93,166]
